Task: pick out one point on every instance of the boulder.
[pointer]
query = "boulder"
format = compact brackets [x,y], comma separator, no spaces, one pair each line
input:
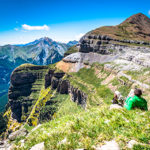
[115,106]
[14,135]
[131,144]
[39,146]
[110,145]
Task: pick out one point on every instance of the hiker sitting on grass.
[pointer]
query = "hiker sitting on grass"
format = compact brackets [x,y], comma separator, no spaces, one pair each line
[136,101]
[118,99]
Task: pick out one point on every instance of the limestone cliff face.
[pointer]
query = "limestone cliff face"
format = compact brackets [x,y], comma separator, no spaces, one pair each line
[78,96]
[93,43]
[26,82]
[125,43]
[114,39]
[27,85]
[104,44]
[63,86]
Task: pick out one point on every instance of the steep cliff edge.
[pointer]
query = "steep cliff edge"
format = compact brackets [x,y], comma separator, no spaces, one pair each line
[66,121]
[103,46]
[26,83]
[34,87]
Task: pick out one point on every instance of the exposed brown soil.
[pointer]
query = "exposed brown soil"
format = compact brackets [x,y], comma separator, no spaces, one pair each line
[66,66]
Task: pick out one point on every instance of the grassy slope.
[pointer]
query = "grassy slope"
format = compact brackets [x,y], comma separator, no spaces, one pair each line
[83,129]
[97,124]
[142,75]
[87,81]
[71,50]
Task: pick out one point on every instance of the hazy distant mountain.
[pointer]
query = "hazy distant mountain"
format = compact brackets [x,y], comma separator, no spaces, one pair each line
[39,52]
[72,43]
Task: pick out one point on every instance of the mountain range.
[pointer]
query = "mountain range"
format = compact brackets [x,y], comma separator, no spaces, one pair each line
[67,105]
[43,51]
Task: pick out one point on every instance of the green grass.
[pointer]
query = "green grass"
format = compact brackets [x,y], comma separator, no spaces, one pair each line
[55,108]
[87,81]
[67,107]
[88,76]
[142,75]
[28,128]
[115,82]
[125,79]
[124,90]
[133,74]
[83,129]
[105,93]
[71,50]
[141,147]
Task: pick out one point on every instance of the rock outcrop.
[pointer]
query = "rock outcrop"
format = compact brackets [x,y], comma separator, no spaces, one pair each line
[24,89]
[63,86]
[133,31]
[105,45]
[39,146]
[16,134]
[27,82]
[78,96]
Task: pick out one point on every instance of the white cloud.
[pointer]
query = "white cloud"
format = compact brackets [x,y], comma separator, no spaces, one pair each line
[30,28]
[149,12]
[79,36]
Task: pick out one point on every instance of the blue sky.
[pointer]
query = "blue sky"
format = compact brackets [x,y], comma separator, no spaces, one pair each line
[23,21]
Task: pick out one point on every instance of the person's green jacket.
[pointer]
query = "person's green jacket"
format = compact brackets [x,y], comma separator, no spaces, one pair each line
[135,102]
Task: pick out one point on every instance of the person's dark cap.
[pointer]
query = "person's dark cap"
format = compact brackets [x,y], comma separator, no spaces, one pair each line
[138,92]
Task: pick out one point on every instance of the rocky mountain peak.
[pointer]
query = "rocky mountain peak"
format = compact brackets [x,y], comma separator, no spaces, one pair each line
[137,18]
[136,27]
[140,21]
[44,40]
